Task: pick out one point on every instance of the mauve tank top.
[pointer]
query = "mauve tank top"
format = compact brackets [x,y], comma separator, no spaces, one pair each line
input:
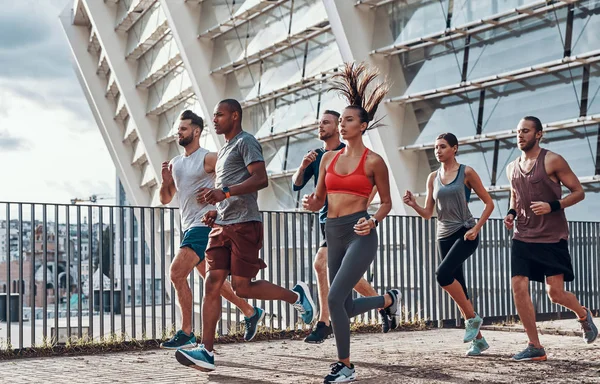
[537,186]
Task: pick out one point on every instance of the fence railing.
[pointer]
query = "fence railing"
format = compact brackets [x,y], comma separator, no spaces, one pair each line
[90,272]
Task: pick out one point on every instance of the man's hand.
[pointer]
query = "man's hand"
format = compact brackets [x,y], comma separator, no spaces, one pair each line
[308,159]
[209,218]
[509,221]
[540,207]
[210,196]
[167,172]
[409,199]
[363,226]
[310,203]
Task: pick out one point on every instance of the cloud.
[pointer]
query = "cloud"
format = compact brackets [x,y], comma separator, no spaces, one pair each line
[12,143]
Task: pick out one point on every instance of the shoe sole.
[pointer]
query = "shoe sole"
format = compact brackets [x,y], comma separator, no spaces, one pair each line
[183,359]
[260,319]
[539,358]
[304,287]
[478,354]
[346,380]
[186,346]
[320,341]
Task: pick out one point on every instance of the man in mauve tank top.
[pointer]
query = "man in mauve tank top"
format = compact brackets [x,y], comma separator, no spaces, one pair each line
[539,248]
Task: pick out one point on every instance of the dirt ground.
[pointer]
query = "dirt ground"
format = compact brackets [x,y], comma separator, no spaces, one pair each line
[433,356]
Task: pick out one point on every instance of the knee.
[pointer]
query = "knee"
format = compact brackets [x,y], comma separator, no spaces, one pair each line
[520,285]
[334,301]
[211,286]
[320,263]
[176,276]
[443,277]
[241,289]
[555,294]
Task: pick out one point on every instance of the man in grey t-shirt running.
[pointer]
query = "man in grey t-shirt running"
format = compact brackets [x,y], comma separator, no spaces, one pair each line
[237,234]
[183,176]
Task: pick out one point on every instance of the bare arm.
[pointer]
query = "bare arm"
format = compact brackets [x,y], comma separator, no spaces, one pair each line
[382,185]
[509,219]
[258,180]
[427,211]
[372,195]
[565,175]
[210,162]
[316,200]
[167,186]
[298,179]
[474,181]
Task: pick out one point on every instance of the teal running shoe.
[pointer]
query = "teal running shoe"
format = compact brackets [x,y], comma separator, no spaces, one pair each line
[197,358]
[472,327]
[305,304]
[180,341]
[531,353]
[477,346]
[251,323]
[589,329]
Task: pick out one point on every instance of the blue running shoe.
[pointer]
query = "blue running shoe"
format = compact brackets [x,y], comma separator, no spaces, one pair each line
[589,329]
[305,304]
[197,358]
[180,341]
[251,323]
[472,327]
[531,353]
[477,346]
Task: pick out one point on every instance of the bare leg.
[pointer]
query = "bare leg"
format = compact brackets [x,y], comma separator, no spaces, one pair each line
[520,286]
[228,294]
[320,266]
[455,290]
[555,286]
[211,306]
[261,290]
[182,265]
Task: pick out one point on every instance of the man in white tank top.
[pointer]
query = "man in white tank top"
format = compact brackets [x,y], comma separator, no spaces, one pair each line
[185,175]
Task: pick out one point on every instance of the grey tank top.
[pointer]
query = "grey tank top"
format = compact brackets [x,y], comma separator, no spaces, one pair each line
[451,203]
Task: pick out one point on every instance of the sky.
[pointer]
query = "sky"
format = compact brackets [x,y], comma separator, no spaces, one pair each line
[50,147]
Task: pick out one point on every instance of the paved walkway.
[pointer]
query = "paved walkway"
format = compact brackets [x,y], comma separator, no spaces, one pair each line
[434,356]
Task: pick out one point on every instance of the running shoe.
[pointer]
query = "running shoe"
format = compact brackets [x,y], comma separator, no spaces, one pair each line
[198,358]
[472,327]
[385,321]
[589,329]
[251,323]
[180,341]
[477,346]
[531,353]
[319,333]
[340,373]
[305,304]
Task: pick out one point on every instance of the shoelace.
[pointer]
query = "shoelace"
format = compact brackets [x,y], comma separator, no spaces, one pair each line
[585,325]
[336,367]
[300,308]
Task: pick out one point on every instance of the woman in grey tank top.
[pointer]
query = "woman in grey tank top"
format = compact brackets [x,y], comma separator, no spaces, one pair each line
[449,190]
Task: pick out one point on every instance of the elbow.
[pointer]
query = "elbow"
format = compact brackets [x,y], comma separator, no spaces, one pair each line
[264,182]
[582,195]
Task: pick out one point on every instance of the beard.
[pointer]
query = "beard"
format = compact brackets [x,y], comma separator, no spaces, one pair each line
[528,145]
[185,141]
[325,136]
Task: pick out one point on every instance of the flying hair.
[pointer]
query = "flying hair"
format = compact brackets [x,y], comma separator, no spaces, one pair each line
[353,83]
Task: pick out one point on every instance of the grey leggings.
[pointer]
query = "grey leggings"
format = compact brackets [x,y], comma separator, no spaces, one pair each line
[348,257]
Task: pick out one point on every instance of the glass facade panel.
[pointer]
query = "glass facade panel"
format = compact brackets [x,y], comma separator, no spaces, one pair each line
[586,24]
[466,11]
[417,19]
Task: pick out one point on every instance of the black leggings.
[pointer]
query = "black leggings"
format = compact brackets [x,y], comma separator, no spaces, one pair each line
[454,250]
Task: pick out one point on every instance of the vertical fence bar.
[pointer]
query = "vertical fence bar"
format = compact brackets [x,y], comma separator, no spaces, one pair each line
[44,292]
[90,231]
[8,276]
[270,266]
[56,282]
[68,269]
[295,217]
[32,286]
[122,267]
[162,273]
[286,265]
[100,268]
[152,269]
[21,284]
[79,289]
[142,259]
[278,264]
[111,258]
[132,260]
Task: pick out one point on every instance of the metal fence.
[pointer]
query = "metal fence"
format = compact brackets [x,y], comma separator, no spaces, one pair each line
[90,272]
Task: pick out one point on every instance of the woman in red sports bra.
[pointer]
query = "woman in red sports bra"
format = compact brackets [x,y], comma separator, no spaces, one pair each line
[346,178]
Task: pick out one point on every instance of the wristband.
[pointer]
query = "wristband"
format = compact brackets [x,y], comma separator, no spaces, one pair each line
[374,221]
[512,212]
[226,192]
[555,206]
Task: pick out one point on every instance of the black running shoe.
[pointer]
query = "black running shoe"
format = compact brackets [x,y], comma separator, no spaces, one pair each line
[385,321]
[395,310]
[319,334]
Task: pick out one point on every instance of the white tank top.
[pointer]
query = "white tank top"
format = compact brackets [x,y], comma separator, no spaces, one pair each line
[189,176]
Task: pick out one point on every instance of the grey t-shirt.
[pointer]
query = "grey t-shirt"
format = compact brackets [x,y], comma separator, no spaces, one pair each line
[232,160]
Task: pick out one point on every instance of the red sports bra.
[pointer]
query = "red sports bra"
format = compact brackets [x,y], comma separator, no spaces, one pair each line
[355,183]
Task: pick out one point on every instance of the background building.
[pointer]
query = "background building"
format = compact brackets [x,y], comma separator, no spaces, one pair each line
[471,67]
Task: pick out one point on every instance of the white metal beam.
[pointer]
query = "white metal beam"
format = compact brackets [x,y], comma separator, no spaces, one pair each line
[536,8]
[277,47]
[161,72]
[137,8]
[236,20]
[487,137]
[503,78]
[290,132]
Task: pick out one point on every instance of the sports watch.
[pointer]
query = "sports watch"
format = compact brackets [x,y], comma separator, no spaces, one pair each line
[226,192]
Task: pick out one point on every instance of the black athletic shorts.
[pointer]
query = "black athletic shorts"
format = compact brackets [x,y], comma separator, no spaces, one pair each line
[324,241]
[539,260]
